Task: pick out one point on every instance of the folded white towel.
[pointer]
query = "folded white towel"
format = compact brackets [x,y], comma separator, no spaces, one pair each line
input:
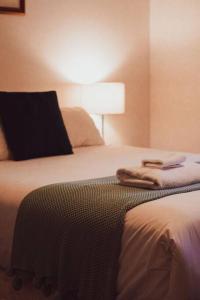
[159,179]
[170,161]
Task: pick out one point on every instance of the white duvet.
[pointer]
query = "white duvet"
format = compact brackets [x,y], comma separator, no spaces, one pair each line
[160,256]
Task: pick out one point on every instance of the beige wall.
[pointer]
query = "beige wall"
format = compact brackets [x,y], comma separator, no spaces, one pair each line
[58,43]
[175,74]
[61,42]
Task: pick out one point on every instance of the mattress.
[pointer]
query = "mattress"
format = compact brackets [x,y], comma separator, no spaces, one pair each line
[160,256]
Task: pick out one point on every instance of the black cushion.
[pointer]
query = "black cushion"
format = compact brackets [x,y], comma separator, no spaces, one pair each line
[33,125]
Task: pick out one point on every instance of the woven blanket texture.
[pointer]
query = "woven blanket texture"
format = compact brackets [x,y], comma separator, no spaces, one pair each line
[67,236]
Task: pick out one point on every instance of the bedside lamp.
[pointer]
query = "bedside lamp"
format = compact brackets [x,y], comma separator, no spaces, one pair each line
[104,98]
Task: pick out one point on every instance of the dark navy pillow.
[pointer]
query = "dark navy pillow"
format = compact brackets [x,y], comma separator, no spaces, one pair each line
[33,124]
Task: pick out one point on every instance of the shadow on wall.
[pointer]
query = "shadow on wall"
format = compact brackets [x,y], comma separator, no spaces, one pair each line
[25,70]
[136,117]
[22,67]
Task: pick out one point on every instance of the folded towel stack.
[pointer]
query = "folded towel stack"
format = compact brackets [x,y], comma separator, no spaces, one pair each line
[170,161]
[160,174]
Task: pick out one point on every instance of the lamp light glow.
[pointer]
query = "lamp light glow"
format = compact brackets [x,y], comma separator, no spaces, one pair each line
[104,98]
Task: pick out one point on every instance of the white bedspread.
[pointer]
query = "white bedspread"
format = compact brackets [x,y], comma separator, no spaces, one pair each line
[160,256]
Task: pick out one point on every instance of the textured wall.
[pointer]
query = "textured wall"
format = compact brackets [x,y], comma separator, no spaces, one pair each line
[61,42]
[175,74]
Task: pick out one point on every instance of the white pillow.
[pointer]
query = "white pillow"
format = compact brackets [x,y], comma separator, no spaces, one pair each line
[80,127]
[4,152]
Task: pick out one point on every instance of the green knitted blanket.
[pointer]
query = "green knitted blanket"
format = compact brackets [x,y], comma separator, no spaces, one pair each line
[68,236]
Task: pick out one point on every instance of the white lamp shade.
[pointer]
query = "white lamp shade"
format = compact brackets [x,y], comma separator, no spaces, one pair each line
[104,98]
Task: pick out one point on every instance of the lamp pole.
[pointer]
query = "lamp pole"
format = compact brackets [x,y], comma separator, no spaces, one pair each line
[102,125]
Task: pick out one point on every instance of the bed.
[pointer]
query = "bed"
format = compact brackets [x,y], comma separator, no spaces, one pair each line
[161,240]
[159,257]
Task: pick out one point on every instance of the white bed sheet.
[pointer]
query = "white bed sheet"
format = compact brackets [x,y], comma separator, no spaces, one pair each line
[160,256]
